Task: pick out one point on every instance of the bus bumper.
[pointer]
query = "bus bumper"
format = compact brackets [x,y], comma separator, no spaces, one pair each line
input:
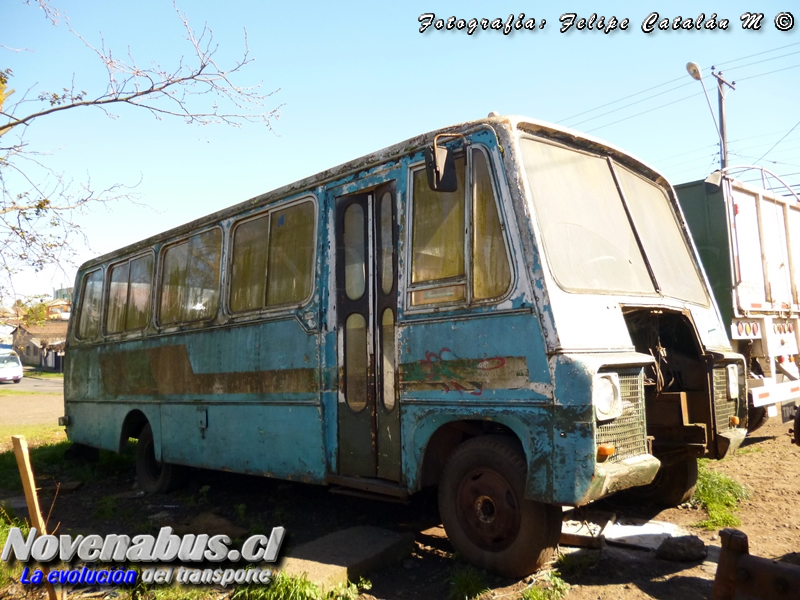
[615,477]
[729,441]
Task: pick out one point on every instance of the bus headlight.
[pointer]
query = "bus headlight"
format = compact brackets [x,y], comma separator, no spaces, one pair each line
[606,396]
[733,382]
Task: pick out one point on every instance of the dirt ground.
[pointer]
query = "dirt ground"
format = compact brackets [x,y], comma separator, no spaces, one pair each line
[767,464]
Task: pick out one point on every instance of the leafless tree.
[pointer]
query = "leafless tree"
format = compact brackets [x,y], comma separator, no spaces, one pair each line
[40,209]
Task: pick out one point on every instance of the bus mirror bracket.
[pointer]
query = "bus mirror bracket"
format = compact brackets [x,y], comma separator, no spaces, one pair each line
[440,165]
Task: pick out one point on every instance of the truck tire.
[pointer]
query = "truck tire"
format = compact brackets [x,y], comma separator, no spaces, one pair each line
[674,484]
[797,425]
[757,417]
[484,511]
[154,477]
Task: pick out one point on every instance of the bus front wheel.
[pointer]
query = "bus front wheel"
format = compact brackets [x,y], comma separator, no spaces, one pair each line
[484,511]
[154,477]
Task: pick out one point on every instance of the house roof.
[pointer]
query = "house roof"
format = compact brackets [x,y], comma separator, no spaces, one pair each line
[47,332]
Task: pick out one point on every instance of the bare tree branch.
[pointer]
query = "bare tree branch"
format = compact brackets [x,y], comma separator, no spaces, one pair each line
[40,209]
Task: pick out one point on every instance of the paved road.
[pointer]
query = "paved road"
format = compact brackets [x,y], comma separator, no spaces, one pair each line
[32,384]
[42,404]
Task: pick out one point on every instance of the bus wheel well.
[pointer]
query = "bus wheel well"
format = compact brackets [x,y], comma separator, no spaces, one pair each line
[131,427]
[448,437]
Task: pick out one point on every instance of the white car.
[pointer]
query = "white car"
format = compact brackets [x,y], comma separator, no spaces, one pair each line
[10,367]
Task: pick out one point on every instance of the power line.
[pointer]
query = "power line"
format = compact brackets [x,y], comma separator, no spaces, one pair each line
[682,77]
[619,100]
[631,104]
[769,73]
[645,112]
[758,62]
[727,62]
[778,142]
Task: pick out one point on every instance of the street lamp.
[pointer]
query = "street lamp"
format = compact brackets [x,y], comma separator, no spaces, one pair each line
[697,74]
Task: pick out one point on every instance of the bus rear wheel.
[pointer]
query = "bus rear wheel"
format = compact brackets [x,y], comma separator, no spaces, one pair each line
[153,476]
[484,511]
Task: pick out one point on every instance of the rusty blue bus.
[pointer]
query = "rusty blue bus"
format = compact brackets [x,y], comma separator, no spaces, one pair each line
[508,310]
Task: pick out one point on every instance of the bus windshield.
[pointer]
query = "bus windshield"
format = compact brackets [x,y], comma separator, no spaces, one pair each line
[588,237]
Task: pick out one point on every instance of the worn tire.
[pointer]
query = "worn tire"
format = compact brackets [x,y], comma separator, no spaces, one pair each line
[797,425]
[154,477]
[757,417]
[484,511]
[674,484]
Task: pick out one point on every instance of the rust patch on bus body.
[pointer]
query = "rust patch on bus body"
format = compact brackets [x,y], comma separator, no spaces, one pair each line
[167,370]
[446,372]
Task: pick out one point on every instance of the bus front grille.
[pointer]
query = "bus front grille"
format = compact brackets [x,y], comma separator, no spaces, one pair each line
[628,431]
[724,409]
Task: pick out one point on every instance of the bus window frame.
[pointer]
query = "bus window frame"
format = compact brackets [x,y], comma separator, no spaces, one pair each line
[266,212]
[160,276]
[109,267]
[100,335]
[468,302]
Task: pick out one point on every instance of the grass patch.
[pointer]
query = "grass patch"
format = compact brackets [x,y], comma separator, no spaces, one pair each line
[719,495]
[575,564]
[48,462]
[290,587]
[748,450]
[13,569]
[5,391]
[550,587]
[467,582]
[35,435]
[42,374]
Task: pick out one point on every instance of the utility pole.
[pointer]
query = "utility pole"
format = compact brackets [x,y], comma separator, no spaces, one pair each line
[723,136]
[697,74]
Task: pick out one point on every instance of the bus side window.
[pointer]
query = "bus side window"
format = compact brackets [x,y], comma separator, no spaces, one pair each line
[273,259]
[190,279]
[291,254]
[491,274]
[438,238]
[129,295]
[91,305]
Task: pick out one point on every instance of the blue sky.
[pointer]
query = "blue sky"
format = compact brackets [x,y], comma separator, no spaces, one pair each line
[353,78]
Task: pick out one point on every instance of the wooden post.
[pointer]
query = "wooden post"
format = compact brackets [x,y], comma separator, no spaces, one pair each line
[28,484]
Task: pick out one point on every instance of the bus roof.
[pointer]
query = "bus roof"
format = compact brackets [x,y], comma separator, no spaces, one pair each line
[411,145]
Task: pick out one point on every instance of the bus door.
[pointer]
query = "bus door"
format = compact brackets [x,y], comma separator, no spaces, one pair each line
[366,304]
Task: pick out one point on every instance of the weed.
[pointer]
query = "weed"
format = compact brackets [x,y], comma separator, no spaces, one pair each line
[14,568]
[718,494]
[106,508]
[748,450]
[38,373]
[575,564]
[554,588]
[35,435]
[203,491]
[292,587]
[241,511]
[48,460]
[467,582]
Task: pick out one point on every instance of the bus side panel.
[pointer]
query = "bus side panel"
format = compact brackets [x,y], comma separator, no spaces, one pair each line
[241,399]
[532,424]
[486,367]
[573,433]
[99,424]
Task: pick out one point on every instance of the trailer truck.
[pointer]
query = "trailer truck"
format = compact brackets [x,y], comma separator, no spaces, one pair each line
[747,232]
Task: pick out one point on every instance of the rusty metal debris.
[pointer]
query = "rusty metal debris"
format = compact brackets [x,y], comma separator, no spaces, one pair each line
[741,575]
